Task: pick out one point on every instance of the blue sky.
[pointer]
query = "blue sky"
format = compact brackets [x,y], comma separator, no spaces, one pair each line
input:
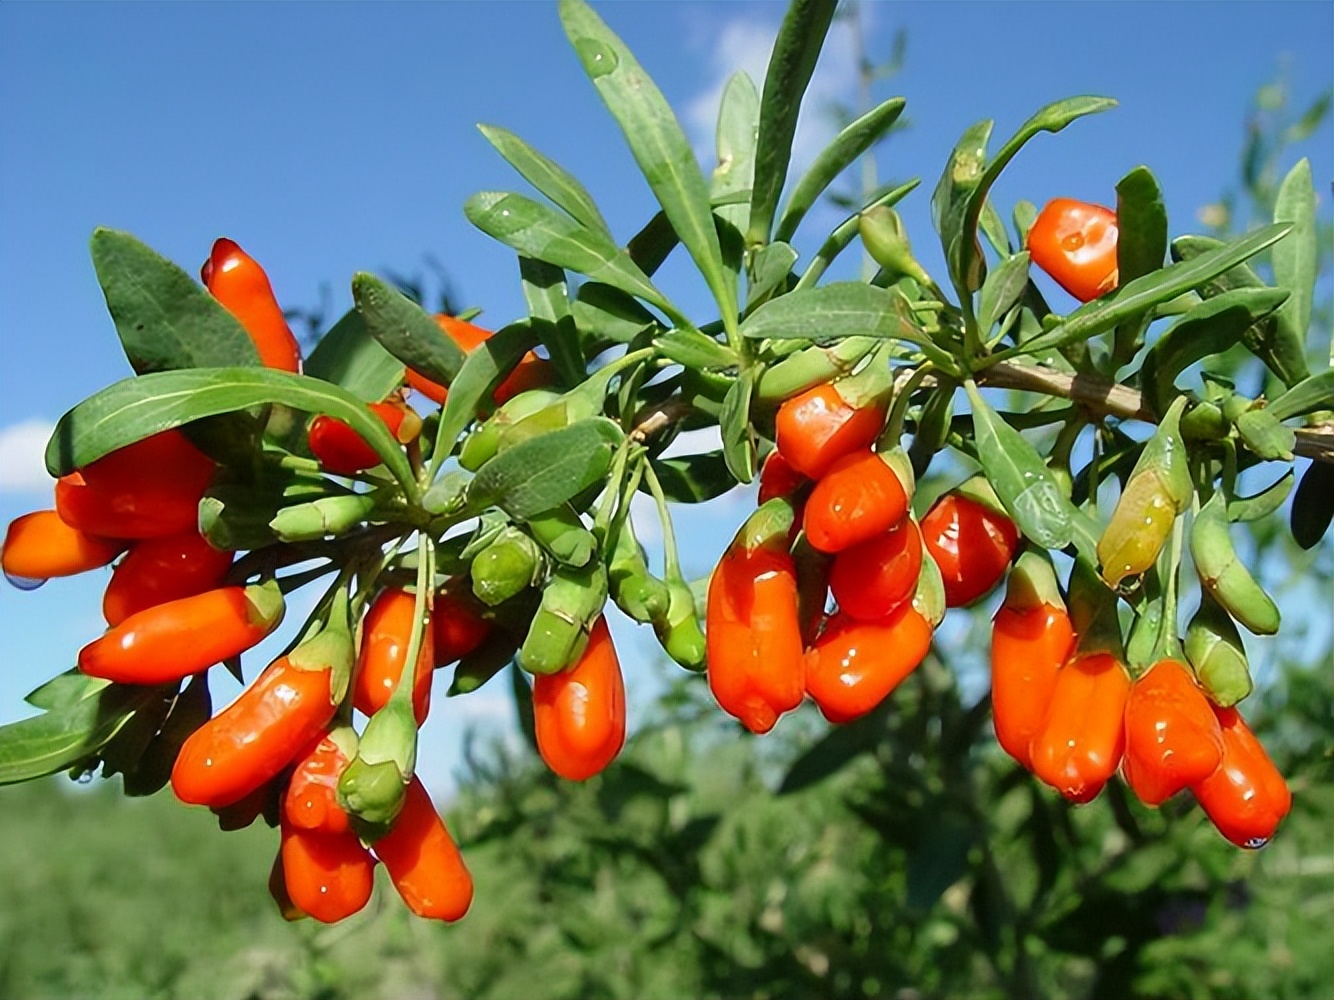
[332,138]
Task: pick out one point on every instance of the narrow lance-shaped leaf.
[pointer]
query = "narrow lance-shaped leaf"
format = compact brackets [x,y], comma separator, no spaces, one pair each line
[738,122]
[734,423]
[1002,290]
[1296,259]
[658,143]
[546,471]
[134,408]
[548,299]
[852,142]
[1141,243]
[1284,356]
[405,329]
[768,270]
[949,207]
[692,478]
[1212,327]
[846,231]
[486,367]
[69,733]
[549,177]
[1142,294]
[348,356]
[1021,479]
[165,320]
[1307,396]
[791,64]
[537,231]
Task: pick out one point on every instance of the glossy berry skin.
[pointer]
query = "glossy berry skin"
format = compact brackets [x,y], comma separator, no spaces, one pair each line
[385,636]
[817,427]
[1028,648]
[255,737]
[238,282]
[778,478]
[1075,243]
[40,545]
[145,490]
[423,861]
[873,578]
[971,543]
[169,642]
[756,662]
[340,449]
[531,372]
[158,570]
[311,799]
[328,876]
[580,712]
[858,498]
[1081,741]
[854,664]
[1172,736]
[457,627]
[1246,796]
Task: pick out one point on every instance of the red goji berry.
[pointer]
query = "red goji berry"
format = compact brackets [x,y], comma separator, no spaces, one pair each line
[171,641]
[854,665]
[1172,737]
[158,570]
[531,372]
[1029,645]
[1081,741]
[40,545]
[237,281]
[817,427]
[385,636]
[311,800]
[343,451]
[872,578]
[457,626]
[1246,796]
[1075,242]
[327,875]
[972,545]
[580,712]
[423,861]
[861,496]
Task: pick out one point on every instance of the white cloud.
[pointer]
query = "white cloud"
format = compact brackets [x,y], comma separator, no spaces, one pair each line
[745,43]
[22,462]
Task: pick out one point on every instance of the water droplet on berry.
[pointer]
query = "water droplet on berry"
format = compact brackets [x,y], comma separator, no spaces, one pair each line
[23,582]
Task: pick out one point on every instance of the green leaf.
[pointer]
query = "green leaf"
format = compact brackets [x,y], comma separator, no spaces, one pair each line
[540,232]
[1002,290]
[993,228]
[939,860]
[831,312]
[348,356]
[71,732]
[548,299]
[1264,503]
[549,177]
[733,177]
[522,692]
[485,369]
[1139,296]
[1307,396]
[769,267]
[1313,505]
[658,143]
[1284,355]
[1021,478]
[1212,327]
[1261,432]
[1296,257]
[165,320]
[64,690]
[406,330]
[653,244]
[546,471]
[604,313]
[734,423]
[1141,219]
[850,143]
[949,207]
[692,478]
[791,64]
[694,350]
[136,407]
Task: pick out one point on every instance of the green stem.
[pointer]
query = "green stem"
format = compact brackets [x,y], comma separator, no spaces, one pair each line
[420,609]
[893,431]
[671,562]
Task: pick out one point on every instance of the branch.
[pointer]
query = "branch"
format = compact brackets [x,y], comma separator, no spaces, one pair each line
[1105,397]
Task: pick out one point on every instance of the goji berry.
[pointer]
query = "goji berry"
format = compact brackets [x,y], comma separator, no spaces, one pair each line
[580,712]
[423,861]
[971,543]
[237,281]
[872,578]
[817,427]
[1075,243]
[861,496]
[385,636]
[1246,796]
[531,372]
[1172,737]
[40,545]
[1081,741]
[854,665]
[158,570]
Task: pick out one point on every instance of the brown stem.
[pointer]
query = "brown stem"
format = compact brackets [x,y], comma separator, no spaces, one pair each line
[1108,398]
